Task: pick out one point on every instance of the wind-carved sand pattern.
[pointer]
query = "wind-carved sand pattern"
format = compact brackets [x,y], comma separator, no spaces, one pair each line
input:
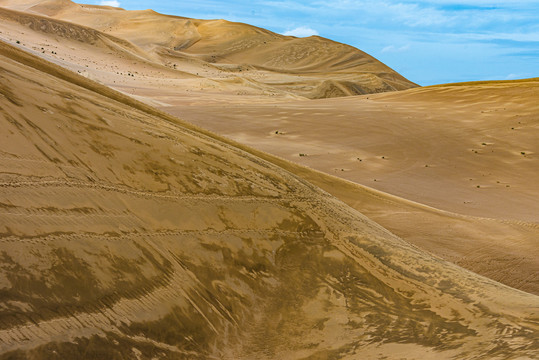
[126,232]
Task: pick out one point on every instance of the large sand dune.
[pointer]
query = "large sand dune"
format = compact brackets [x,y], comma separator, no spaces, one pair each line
[220,54]
[128,233]
[458,149]
[125,231]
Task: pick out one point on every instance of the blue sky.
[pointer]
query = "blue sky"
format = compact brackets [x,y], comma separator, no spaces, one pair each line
[429,42]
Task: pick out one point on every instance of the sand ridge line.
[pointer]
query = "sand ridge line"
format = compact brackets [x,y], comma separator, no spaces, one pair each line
[129,235]
[123,190]
[396,200]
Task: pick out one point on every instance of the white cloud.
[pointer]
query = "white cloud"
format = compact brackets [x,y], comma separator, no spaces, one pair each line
[518,76]
[113,3]
[302,31]
[529,37]
[395,49]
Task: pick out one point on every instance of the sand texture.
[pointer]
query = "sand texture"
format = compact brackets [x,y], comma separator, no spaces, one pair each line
[150,212]
[452,169]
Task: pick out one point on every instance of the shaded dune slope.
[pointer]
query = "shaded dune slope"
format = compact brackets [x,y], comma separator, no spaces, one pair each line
[126,232]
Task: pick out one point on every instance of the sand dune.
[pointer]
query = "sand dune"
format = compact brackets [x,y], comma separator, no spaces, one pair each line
[126,232]
[217,49]
[149,237]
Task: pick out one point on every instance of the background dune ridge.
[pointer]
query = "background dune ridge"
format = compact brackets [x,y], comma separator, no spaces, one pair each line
[217,49]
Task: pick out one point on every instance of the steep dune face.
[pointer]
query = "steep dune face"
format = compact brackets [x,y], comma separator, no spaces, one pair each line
[281,64]
[125,232]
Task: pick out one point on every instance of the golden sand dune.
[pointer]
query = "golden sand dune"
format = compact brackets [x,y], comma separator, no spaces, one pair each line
[125,232]
[128,233]
[259,61]
[60,29]
[464,156]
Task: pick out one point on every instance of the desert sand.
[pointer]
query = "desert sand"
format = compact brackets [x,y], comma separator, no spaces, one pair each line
[450,168]
[182,188]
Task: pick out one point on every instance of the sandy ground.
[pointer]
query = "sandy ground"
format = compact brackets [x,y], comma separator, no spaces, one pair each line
[175,230]
[127,231]
[464,149]
[469,153]
[457,149]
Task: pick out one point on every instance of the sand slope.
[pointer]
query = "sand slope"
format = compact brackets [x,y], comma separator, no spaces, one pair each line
[243,58]
[462,150]
[125,232]
[466,151]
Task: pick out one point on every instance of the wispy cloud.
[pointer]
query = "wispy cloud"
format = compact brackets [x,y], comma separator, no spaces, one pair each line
[512,77]
[302,31]
[113,3]
[514,36]
[395,49]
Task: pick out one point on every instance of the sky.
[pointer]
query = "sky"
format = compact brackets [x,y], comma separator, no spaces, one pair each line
[429,42]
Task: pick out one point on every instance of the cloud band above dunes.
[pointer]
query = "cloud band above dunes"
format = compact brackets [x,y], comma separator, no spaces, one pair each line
[113,3]
[302,31]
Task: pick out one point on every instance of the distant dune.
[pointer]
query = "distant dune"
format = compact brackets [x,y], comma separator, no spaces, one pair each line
[263,61]
[316,229]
